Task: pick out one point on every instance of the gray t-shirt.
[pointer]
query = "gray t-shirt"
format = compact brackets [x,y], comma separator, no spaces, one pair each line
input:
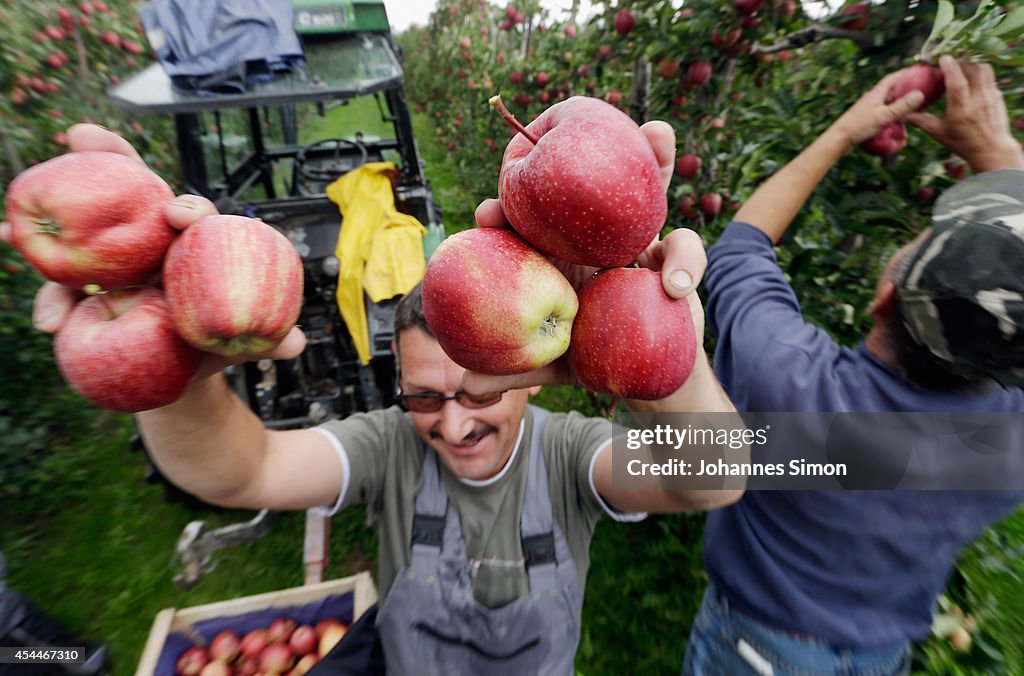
[385,462]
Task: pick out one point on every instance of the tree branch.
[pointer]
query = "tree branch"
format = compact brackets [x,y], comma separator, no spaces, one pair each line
[814,33]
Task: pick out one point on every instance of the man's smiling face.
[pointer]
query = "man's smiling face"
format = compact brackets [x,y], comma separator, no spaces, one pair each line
[474,443]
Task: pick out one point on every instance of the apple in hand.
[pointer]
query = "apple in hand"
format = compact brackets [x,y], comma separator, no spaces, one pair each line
[922,77]
[495,304]
[890,140]
[926,79]
[90,218]
[581,183]
[120,351]
[233,284]
[630,339]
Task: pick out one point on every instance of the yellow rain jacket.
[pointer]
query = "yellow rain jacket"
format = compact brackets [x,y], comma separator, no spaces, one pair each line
[380,249]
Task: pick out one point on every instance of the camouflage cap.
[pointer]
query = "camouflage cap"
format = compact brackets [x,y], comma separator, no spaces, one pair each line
[962,289]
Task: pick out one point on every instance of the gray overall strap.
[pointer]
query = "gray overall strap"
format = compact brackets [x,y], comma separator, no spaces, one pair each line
[537,522]
[428,519]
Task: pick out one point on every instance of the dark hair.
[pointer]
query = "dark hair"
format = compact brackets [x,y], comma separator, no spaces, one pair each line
[409,313]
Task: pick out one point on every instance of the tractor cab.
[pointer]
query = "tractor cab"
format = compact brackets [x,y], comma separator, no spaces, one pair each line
[271,150]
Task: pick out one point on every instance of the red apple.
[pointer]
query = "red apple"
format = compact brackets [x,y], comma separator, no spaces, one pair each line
[277,658]
[747,6]
[217,668]
[698,73]
[90,218]
[330,638]
[570,31]
[280,630]
[686,207]
[583,184]
[605,51]
[226,646]
[120,351]
[247,666]
[688,166]
[495,304]
[668,67]
[541,79]
[515,77]
[625,21]
[233,284]
[891,139]
[855,17]
[922,77]
[254,642]
[711,204]
[303,639]
[111,38]
[191,661]
[323,625]
[630,339]
[955,167]
[925,195]
[304,665]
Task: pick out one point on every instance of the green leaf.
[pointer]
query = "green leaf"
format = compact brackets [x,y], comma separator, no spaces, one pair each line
[1012,24]
[943,16]
[990,45]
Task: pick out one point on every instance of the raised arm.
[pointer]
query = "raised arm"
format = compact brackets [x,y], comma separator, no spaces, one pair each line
[775,204]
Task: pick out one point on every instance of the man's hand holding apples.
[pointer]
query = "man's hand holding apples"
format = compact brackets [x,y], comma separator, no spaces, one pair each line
[679,259]
[54,302]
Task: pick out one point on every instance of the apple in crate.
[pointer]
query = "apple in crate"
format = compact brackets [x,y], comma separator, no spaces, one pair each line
[233,284]
[191,661]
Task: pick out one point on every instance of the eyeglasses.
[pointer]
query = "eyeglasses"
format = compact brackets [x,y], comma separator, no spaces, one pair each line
[432,402]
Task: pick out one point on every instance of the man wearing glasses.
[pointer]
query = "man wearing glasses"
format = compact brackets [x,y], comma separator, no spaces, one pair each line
[486,506]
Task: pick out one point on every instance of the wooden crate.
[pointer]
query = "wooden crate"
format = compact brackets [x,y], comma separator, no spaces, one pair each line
[182,621]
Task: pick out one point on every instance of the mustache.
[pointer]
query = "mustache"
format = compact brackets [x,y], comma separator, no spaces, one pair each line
[469,438]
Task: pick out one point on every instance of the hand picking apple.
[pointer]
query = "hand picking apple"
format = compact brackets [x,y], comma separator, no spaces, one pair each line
[920,77]
[104,341]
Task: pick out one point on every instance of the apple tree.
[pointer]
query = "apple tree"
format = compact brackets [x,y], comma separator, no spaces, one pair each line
[746,84]
[56,61]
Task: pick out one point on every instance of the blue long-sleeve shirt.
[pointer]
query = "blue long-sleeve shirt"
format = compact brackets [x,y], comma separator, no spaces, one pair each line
[852,568]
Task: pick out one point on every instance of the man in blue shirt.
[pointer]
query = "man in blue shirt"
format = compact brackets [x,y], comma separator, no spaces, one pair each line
[842,581]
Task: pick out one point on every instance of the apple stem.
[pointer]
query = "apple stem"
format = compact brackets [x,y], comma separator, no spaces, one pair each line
[97,291]
[495,101]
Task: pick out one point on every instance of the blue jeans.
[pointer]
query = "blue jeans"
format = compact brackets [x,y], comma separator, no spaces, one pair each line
[724,642]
